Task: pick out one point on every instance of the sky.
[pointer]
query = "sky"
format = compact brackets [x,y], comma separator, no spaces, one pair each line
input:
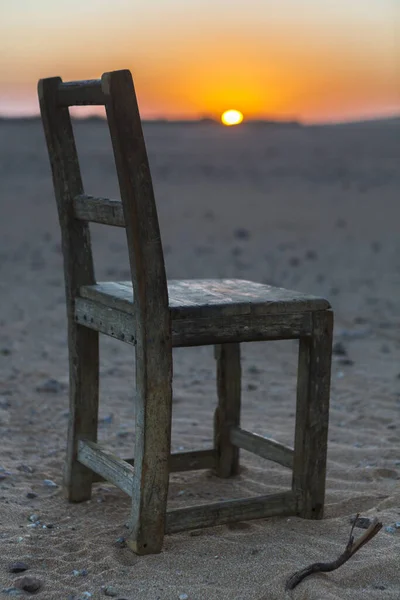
[313,60]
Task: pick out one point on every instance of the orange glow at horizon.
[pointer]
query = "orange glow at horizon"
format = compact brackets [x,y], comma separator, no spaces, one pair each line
[309,65]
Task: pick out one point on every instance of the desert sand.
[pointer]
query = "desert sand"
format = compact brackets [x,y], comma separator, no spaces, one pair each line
[315,209]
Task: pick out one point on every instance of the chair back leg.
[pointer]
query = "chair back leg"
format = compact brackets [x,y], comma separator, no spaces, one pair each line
[227,413]
[78,271]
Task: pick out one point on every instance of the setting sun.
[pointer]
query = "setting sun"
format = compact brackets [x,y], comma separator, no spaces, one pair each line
[232,117]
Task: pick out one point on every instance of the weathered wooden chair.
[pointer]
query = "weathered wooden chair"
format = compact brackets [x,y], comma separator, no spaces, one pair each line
[155,315]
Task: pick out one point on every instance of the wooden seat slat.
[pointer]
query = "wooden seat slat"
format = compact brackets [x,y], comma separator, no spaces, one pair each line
[203,298]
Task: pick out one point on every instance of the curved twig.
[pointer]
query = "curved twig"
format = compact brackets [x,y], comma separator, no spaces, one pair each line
[351,548]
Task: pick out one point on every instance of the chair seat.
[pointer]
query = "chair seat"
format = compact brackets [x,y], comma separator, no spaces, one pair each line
[211,298]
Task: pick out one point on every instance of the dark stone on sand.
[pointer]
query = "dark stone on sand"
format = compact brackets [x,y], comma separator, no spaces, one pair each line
[251,387]
[294,261]
[360,320]
[361,522]
[107,420]
[25,469]
[241,233]
[339,349]
[5,351]
[28,584]
[110,591]
[4,404]
[120,542]
[51,386]
[31,495]
[196,532]
[311,255]
[254,370]
[346,362]
[17,567]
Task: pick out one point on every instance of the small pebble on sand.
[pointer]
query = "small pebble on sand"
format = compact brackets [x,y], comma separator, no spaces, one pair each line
[18,567]
[29,584]
[80,572]
[362,522]
[339,349]
[49,483]
[241,233]
[33,518]
[51,386]
[12,591]
[110,591]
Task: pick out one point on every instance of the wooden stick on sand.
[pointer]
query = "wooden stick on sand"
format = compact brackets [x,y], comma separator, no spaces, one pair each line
[351,548]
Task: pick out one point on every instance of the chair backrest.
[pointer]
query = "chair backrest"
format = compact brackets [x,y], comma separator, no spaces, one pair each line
[137,212]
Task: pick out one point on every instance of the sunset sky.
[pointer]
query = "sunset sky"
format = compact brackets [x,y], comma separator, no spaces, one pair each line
[316,60]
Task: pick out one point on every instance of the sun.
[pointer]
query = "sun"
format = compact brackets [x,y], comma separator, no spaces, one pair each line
[232,117]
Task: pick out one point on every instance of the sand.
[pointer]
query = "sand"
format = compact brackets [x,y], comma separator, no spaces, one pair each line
[314,209]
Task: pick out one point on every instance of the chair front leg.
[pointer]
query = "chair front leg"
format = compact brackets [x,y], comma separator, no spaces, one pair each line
[152,450]
[312,416]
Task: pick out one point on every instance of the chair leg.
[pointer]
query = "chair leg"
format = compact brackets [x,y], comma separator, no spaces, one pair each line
[152,451]
[84,405]
[312,415]
[227,413]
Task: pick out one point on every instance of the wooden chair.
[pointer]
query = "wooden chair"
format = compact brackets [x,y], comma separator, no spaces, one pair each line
[155,315]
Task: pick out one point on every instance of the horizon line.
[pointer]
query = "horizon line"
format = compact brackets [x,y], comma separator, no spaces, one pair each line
[215,121]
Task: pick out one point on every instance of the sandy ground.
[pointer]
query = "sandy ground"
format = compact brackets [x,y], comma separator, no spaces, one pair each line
[313,209]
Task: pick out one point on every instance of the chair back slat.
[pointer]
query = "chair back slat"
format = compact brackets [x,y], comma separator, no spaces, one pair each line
[99,210]
[80,93]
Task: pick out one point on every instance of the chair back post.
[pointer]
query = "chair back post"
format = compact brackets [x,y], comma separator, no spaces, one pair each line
[67,182]
[139,206]
[151,313]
